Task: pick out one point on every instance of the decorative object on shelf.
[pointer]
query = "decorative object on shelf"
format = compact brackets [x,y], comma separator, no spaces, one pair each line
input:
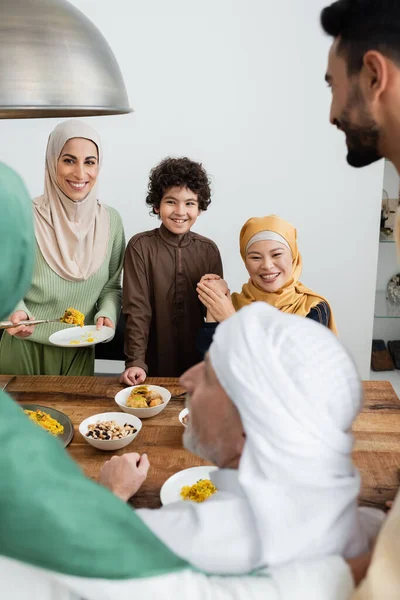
[388,216]
[394,349]
[380,357]
[393,289]
[55,63]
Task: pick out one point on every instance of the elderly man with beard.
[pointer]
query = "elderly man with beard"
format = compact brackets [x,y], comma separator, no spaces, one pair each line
[281,437]
[364,75]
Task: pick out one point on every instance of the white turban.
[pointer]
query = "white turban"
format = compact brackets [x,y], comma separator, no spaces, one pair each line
[297,392]
[294,497]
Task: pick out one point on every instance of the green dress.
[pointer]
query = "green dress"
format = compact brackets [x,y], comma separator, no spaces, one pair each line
[49,296]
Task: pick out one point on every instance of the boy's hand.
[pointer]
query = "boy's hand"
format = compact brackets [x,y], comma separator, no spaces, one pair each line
[209,277]
[133,376]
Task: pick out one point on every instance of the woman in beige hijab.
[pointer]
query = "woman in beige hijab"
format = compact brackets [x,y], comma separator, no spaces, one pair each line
[79,252]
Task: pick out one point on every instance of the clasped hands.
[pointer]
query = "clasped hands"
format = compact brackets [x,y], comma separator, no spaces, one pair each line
[214,294]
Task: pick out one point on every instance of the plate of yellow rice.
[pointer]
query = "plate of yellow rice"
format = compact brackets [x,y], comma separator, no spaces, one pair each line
[51,420]
[193,485]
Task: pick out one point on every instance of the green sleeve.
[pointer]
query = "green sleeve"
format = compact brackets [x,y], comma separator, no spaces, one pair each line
[53,517]
[110,299]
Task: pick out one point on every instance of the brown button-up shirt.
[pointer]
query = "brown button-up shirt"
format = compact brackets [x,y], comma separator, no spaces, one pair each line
[162,311]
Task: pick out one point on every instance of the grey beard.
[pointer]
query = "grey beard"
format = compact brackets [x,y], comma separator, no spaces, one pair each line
[190,443]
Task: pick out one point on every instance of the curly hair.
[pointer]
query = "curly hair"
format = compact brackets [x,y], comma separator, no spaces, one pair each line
[363,25]
[180,172]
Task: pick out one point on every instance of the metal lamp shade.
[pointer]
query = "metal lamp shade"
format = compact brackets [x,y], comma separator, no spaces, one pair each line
[55,63]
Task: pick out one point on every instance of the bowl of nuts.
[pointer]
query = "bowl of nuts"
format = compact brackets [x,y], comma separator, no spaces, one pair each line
[110,431]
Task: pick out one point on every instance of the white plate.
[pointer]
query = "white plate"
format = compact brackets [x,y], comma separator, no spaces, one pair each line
[142,413]
[171,490]
[64,337]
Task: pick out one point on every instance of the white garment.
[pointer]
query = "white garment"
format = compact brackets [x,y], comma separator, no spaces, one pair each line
[327,579]
[294,496]
[297,392]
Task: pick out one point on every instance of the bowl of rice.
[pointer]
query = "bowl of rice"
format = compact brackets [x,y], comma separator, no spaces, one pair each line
[143,401]
[110,431]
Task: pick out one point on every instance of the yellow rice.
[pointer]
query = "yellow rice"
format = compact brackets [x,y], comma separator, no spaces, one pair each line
[73,317]
[199,491]
[45,421]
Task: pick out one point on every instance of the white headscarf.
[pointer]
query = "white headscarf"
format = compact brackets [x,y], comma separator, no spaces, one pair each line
[72,236]
[294,496]
[266,236]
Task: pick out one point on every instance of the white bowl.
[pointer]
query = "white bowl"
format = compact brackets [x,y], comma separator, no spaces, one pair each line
[110,416]
[143,413]
[184,413]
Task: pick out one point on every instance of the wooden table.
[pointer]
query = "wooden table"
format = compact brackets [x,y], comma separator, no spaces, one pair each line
[377,432]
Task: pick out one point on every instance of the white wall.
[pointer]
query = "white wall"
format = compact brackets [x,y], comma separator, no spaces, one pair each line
[239,86]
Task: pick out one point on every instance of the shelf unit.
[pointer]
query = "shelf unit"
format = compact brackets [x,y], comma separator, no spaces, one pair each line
[385,309]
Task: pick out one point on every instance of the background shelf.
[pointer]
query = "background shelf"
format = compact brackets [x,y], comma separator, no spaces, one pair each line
[384,309]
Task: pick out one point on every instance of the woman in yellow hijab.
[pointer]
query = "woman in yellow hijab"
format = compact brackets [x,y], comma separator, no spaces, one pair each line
[268,246]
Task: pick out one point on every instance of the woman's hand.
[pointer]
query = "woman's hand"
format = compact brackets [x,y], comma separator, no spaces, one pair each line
[133,376]
[104,321]
[124,475]
[21,331]
[216,302]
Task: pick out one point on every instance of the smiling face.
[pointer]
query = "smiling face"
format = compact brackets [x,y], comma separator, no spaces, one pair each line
[179,209]
[77,168]
[215,430]
[269,265]
[351,112]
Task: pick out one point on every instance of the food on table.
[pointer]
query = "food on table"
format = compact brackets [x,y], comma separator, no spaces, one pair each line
[90,339]
[74,342]
[142,389]
[46,421]
[198,492]
[155,402]
[109,430]
[136,401]
[185,420]
[144,397]
[73,317]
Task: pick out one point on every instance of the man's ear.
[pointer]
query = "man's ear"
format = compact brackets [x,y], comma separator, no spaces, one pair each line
[374,74]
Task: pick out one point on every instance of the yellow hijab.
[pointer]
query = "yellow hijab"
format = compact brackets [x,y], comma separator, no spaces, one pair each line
[294,297]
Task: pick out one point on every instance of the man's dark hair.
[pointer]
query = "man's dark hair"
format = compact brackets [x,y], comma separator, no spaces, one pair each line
[180,172]
[364,25]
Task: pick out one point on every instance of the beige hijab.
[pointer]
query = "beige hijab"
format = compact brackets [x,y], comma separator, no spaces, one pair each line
[72,236]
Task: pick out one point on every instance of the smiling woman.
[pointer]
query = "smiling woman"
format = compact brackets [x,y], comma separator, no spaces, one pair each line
[268,246]
[77,168]
[79,253]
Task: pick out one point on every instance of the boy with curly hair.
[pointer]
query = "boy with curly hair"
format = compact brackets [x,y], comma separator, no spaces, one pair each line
[161,270]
